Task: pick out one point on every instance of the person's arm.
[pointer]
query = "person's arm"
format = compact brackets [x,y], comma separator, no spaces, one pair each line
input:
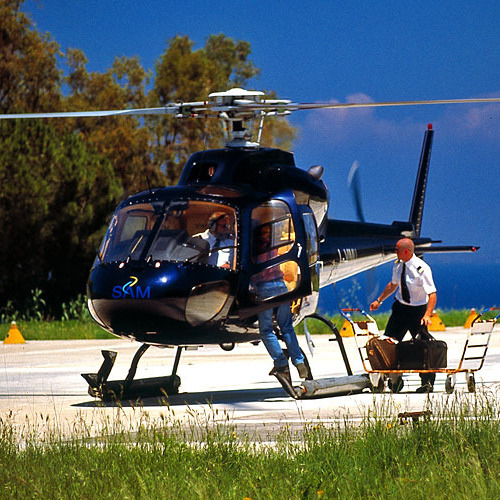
[388,290]
[431,304]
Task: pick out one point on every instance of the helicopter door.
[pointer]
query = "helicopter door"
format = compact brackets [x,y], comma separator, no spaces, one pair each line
[278,255]
[307,305]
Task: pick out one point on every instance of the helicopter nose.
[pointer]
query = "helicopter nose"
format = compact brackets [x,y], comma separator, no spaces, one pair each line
[158,299]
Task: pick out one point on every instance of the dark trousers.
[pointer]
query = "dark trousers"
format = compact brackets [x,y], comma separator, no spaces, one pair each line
[407,319]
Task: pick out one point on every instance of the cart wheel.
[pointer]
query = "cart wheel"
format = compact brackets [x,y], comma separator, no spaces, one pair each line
[449,385]
[471,382]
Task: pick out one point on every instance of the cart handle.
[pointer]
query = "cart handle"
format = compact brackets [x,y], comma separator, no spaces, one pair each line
[345,312]
[495,309]
[485,310]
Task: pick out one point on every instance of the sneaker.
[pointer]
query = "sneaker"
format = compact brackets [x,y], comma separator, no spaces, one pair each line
[302,369]
[425,388]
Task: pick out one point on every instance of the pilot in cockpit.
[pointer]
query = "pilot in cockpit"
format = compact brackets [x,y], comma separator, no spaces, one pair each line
[221,239]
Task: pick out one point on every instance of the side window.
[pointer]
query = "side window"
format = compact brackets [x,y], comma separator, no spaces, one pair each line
[128,232]
[312,247]
[273,235]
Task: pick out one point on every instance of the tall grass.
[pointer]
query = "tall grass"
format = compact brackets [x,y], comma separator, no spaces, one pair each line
[455,453]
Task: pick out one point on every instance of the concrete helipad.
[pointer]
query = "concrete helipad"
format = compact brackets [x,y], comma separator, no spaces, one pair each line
[40,383]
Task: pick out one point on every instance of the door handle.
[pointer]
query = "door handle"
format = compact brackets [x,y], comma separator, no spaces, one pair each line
[299,251]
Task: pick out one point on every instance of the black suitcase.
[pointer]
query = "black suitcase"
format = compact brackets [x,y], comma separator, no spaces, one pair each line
[423,352]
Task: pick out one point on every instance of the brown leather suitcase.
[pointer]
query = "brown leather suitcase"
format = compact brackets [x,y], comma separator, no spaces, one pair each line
[382,353]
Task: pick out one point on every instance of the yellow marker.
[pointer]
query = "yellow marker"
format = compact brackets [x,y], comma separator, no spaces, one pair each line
[468,322]
[347,330]
[436,324]
[14,336]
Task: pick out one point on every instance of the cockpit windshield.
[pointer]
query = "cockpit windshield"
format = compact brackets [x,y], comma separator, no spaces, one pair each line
[174,231]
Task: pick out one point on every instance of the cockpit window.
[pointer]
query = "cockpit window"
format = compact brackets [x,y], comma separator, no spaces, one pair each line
[175,231]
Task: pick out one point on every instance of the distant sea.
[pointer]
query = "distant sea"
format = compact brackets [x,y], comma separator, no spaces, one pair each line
[459,286]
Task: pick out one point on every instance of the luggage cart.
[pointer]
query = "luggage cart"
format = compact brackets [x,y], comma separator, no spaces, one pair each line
[475,349]
[471,361]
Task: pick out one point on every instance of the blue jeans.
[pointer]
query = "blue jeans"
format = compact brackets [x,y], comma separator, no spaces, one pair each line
[285,322]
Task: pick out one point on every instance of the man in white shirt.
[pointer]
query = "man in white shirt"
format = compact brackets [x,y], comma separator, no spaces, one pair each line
[415,301]
[219,236]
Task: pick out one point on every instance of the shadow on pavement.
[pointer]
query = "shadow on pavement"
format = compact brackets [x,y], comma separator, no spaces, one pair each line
[194,398]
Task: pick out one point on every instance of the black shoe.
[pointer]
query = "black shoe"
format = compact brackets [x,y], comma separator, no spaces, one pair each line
[396,385]
[280,369]
[425,388]
[285,379]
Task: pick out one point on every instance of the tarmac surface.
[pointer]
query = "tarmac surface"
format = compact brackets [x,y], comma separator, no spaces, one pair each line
[41,387]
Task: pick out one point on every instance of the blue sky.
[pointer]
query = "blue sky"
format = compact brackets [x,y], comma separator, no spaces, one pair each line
[343,51]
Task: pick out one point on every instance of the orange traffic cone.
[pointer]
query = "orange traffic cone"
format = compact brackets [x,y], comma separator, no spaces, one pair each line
[347,330]
[14,336]
[470,318]
[436,324]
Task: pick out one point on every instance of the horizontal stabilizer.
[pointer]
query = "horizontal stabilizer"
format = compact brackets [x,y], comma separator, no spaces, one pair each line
[446,249]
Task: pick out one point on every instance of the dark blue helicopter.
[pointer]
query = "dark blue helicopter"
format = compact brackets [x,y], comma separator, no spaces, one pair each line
[162,276]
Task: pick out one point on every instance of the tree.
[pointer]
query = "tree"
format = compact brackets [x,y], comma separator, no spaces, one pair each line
[123,140]
[29,77]
[56,197]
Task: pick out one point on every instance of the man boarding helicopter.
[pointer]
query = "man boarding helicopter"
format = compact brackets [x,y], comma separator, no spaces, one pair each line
[153,280]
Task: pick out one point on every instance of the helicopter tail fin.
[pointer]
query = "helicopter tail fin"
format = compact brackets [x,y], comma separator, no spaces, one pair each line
[417,205]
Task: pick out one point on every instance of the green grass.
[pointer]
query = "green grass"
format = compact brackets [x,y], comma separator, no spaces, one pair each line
[58,330]
[87,329]
[449,317]
[453,454]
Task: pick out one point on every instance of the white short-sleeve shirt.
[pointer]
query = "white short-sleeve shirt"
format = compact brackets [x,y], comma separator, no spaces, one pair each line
[418,277]
[224,256]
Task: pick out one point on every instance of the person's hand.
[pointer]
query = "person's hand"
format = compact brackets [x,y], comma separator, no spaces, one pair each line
[426,320]
[374,305]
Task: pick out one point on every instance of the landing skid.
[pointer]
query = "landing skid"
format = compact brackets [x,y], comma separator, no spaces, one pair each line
[336,386]
[100,387]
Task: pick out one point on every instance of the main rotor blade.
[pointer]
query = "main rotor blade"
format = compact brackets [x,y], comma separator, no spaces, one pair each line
[81,114]
[239,109]
[342,105]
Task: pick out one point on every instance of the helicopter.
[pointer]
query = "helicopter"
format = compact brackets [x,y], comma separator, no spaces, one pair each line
[157,279]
